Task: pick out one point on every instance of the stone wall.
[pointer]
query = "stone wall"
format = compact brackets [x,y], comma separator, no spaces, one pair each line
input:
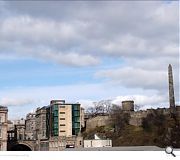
[97,121]
[136,117]
[60,143]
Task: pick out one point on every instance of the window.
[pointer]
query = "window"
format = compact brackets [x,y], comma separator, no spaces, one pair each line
[76,119]
[62,131]
[56,113]
[62,118]
[55,125]
[62,112]
[75,107]
[55,120]
[55,132]
[62,125]
[76,125]
[76,113]
[62,106]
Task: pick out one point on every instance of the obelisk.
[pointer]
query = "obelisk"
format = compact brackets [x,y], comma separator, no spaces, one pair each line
[171,89]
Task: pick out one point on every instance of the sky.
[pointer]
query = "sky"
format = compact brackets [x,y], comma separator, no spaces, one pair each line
[86,52]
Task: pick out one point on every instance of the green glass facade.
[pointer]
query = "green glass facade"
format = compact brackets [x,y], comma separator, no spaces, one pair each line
[52,121]
[75,119]
[55,122]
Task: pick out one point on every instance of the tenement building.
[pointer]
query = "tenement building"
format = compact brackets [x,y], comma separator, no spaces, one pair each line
[41,129]
[40,123]
[19,128]
[16,130]
[3,128]
[30,126]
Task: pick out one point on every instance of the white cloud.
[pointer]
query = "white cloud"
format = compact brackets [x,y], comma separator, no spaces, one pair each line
[85,103]
[15,101]
[150,30]
[135,77]
[144,35]
[43,39]
[26,28]
[143,101]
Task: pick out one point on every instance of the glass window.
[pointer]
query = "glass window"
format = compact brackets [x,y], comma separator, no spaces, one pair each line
[76,113]
[55,107]
[76,125]
[76,119]
[75,131]
[55,125]
[75,107]
[55,113]
[55,132]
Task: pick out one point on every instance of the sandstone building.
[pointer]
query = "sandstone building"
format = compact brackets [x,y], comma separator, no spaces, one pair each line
[64,122]
[30,126]
[3,128]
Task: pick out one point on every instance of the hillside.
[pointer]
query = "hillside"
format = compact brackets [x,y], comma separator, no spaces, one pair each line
[156,130]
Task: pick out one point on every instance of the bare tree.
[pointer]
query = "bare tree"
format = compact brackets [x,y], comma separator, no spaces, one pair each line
[137,107]
[101,107]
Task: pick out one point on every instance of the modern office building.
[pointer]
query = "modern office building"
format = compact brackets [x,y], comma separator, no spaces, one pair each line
[3,128]
[64,119]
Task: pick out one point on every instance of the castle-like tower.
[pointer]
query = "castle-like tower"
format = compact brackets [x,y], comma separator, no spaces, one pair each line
[171,90]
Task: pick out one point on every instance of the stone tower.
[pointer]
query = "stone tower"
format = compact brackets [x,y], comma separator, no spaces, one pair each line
[171,90]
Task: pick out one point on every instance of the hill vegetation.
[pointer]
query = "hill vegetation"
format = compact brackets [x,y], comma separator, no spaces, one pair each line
[156,129]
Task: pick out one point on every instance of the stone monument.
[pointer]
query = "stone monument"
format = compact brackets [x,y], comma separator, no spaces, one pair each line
[171,90]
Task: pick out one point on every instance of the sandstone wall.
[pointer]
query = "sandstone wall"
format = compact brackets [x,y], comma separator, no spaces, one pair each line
[98,121]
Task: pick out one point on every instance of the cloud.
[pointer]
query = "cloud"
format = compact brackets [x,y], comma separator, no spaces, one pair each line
[85,103]
[144,101]
[143,37]
[15,101]
[135,77]
[130,46]
[39,39]
[150,30]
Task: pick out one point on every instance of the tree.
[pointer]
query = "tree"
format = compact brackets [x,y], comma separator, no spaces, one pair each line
[154,120]
[136,107]
[102,107]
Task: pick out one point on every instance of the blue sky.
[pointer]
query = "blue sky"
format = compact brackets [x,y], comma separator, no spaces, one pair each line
[87,51]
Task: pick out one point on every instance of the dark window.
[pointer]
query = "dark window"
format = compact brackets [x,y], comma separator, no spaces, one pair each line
[62,131]
[62,125]
[62,112]
[62,118]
